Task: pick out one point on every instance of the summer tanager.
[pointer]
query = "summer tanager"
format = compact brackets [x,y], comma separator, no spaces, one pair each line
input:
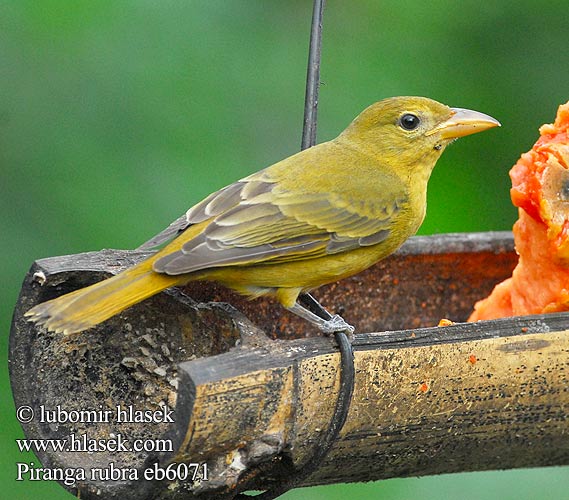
[320,215]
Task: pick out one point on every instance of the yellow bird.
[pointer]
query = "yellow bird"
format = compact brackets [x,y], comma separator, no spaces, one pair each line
[318,216]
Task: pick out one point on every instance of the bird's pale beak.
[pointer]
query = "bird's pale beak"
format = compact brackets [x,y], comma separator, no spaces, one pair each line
[464,122]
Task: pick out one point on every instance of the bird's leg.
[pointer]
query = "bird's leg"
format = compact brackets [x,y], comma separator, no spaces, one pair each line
[312,311]
[335,324]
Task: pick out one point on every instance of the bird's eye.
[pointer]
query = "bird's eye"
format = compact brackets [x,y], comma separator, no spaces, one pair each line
[409,121]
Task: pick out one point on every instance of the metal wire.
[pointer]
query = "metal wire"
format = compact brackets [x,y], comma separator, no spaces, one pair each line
[347,370]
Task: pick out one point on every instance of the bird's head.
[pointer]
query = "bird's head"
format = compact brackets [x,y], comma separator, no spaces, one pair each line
[412,132]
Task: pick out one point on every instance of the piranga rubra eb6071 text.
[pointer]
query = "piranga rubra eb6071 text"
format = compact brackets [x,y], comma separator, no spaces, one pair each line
[320,215]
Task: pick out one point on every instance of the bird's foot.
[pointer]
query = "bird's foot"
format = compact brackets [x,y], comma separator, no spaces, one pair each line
[336,324]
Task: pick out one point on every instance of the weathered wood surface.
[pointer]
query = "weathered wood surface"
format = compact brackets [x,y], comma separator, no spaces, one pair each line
[427,400]
[447,400]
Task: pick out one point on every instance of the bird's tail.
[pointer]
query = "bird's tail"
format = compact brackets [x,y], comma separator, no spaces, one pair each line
[85,308]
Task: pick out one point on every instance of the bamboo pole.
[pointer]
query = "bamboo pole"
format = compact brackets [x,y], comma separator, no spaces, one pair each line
[247,410]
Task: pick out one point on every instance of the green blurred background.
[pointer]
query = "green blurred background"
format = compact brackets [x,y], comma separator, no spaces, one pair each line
[116,116]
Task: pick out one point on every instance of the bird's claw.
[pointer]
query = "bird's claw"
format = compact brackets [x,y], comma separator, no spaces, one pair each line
[337,324]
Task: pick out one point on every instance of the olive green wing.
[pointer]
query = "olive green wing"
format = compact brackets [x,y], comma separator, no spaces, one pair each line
[256,221]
